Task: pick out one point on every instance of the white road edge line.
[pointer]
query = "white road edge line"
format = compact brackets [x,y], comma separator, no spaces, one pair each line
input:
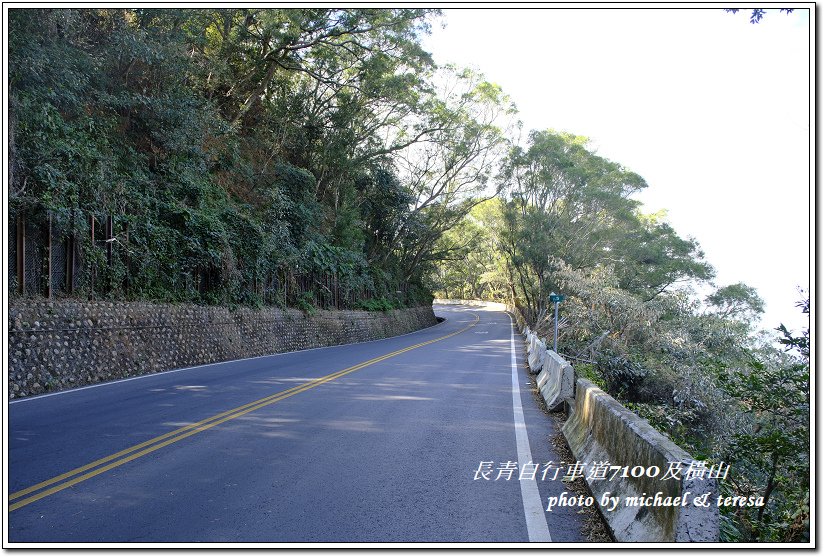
[533,506]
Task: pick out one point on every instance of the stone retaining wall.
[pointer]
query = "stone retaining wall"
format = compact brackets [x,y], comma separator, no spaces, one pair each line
[55,345]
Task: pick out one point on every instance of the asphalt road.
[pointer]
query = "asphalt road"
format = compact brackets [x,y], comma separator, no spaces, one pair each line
[371,442]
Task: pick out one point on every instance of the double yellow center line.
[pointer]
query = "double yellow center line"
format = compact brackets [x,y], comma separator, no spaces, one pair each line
[58,483]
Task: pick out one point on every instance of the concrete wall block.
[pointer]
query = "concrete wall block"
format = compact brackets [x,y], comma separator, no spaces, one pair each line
[538,355]
[556,381]
[601,430]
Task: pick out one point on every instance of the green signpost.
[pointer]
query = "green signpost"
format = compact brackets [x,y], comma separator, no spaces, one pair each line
[556,299]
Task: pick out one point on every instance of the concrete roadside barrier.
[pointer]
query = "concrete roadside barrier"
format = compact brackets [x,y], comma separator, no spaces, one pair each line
[556,381]
[538,355]
[650,498]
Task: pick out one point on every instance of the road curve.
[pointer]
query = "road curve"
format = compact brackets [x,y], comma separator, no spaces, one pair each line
[372,442]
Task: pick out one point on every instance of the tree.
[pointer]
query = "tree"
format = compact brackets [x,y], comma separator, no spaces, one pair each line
[736,301]
[773,452]
[568,203]
[650,257]
[449,171]
[469,264]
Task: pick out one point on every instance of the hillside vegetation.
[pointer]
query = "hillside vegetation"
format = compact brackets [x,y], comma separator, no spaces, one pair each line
[242,151]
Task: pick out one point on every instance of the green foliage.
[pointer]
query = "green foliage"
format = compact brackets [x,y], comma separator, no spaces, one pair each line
[653,258]
[306,302]
[774,391]
[566,202]
[376,304]
[736,301]
[700,378]
[621,376]
[235,148]
[468,266]
[588,372]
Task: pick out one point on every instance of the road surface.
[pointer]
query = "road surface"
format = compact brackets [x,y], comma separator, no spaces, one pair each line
[372,442]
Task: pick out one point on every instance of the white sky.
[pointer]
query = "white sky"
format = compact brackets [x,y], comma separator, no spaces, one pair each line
[714,112]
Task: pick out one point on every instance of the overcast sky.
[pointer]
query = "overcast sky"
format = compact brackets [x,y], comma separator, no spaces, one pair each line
[714,112]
